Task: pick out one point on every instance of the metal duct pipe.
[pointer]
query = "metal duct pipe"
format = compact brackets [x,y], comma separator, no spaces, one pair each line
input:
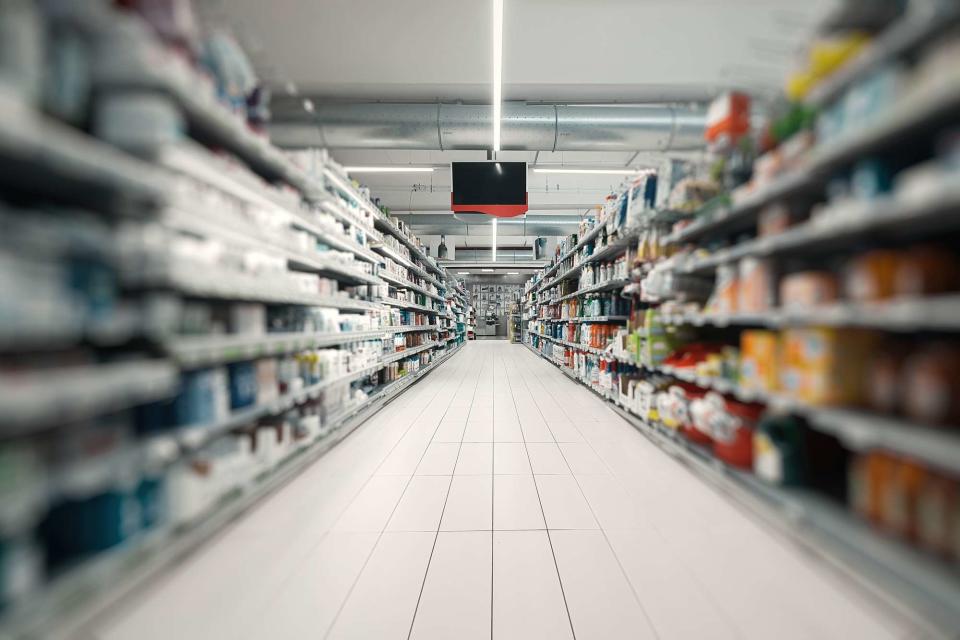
[535,207]
[524,127]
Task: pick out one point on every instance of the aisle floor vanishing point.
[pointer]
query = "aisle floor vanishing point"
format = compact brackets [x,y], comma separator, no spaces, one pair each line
[499,499]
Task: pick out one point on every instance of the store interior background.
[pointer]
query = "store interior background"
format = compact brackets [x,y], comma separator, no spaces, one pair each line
[634,59]
[371,102]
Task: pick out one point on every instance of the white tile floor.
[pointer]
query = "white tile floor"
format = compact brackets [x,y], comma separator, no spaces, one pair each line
[498,499]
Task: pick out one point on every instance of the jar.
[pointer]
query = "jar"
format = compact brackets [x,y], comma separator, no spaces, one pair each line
[732,432]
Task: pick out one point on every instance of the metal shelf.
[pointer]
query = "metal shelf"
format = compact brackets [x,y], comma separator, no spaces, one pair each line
[922,109]
[860,430]
[917,586]
[383,224]
[406,353]
[195,351]
[196,436]
[587,238]
[391,253]
[335,207]
[337,241]
[94,586]
[572,345]
[406,284]
[590,319]
[39,399]
[597,288]
[934,210]
[419,327]
[626,237]
[403,304]
[44,156]
[740,214]
[145,64]
[318,263]
[905,35]
[192,160]
[931,313]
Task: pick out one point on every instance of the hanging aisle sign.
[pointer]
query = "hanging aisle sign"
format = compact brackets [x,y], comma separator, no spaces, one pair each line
[495,188]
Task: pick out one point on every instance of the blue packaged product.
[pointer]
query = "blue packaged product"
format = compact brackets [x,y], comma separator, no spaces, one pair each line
[150,497]
[195,404]
[243,385]
[650,191]
[81,526]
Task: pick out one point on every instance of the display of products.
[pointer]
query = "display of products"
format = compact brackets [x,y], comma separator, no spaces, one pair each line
[758,271]
[801,328]
[186,306]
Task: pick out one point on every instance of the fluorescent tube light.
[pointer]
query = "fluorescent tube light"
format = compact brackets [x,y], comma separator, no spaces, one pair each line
[513,273]
[487,270]
[398,169]
[494,240]
[497,70]
[607,172]
[463,273]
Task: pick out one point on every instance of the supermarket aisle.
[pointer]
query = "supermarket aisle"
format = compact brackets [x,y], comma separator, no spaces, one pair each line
[498,499]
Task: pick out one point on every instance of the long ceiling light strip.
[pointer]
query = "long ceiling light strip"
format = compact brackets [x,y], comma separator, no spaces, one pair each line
[497,70]
[397,169]
[606,172]
[494,240]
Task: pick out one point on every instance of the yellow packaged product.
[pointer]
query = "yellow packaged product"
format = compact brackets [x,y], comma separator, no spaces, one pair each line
[825,366]
[759,360]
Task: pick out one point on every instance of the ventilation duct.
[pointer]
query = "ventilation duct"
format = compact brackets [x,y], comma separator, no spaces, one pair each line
[524,126]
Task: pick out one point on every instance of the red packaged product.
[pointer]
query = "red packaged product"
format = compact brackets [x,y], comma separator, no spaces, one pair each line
[733,433]
[687,427]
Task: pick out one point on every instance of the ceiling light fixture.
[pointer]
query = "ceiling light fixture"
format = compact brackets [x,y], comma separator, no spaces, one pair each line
[497,70]
[463,273]
[308,105]
[607,172]
[487,270]
[399,169]
[513,273]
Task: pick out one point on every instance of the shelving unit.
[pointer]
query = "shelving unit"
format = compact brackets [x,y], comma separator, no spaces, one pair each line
[920,206]
[219,228]
[102,581]
[903,577]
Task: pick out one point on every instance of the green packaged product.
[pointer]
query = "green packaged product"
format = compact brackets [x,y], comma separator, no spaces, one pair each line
[778,450]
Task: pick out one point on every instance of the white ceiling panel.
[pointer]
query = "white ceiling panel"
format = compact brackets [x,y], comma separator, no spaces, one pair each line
[554,50]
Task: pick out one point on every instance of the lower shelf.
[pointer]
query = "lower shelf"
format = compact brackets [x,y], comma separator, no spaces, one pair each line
[909,582]
[72,602]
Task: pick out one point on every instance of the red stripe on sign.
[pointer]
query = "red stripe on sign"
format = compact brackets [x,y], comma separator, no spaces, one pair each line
[498,210]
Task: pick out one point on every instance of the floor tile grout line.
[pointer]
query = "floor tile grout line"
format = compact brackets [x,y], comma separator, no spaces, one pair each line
[433,548]
[603,531]
[325,534]
[373,548]
[493,462]
[704,591]
[536,487]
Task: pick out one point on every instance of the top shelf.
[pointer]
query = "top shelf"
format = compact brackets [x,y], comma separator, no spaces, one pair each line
[904,36]
[43,156]
[382,223]
[128,63]
[619,245]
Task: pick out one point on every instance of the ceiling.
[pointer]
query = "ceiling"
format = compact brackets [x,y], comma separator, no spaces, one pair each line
[554,50]
[560,51]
